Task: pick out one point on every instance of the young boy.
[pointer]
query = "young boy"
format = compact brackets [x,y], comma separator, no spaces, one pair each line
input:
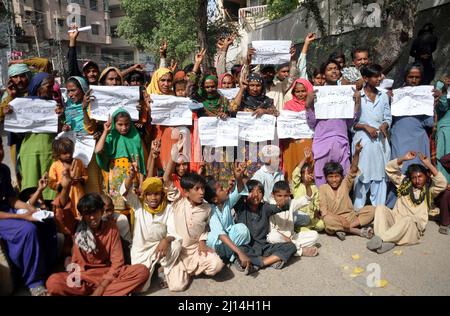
[27,242]
[405,223]
[190,217]
[254,213]
[282,224]
[371,130]
[225,236]
[335,204]
[269,173]
[97,258]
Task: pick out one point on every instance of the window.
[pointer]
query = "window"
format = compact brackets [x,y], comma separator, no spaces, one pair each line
[82,20]
[114,31]
[61,22]
[95,29]
[93,5]
[75,1]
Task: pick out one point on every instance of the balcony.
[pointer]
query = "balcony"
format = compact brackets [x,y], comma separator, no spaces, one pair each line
[252,16]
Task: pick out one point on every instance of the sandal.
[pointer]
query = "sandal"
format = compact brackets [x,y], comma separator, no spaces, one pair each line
[310,251]
[367,232]
[385,247]
[237,265]
[278,265]
[444,229]
[39,291]
[375,243]
[341,235]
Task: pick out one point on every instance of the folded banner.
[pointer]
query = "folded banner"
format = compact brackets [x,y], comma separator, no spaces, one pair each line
[334,102]
[230,94]
[108,99]
[417,100]
[32,115]
[168,110]
[215,132]
[293,125]
[254,129]
[271,52]
[84,146]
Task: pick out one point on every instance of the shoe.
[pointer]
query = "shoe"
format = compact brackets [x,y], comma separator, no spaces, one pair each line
[237,265]
[278,265]
[385,247]
[39,291]
[341,235]
[444,229]
[375,243]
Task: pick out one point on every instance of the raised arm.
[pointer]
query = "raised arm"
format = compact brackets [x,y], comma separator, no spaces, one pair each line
[101,142]
[154,154]
[355,161]
[170,167]
[74,70]
[222,48]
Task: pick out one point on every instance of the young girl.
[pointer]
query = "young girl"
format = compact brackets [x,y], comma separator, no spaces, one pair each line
[331,135]
[303,185]
[118,146]
[226,81]
[317,78]
[74,111]
[63,156]
[405,224]
[293,148]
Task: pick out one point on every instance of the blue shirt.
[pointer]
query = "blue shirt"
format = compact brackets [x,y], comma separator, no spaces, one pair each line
[376,152]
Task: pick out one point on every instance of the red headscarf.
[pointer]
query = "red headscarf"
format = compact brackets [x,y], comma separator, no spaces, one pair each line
[295,104]
[221,77]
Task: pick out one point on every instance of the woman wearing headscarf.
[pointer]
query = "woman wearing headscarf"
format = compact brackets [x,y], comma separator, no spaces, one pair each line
[162,84]
[293,149]
[252,98]
[226,81]
[35,155]
[110,76]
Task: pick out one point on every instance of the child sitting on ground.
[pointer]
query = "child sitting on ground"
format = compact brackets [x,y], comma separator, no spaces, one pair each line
[154,239]
[270,172]
[254,213]
[190,216]
[405,223]
[307,217]
[97,256]
[225,236]
[335,204]
[282,224]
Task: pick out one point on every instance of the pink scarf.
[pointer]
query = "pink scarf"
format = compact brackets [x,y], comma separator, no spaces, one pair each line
[295,104]
[221,77]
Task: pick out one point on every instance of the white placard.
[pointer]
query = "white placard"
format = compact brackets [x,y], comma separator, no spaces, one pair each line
[84,146]
[293,125]
[168,110]
[417,100]
[386,83]
[107,99]
[216,132]
[32,115]
[230,94]
[254,129]
[81,29]
[334,102]
[271,52]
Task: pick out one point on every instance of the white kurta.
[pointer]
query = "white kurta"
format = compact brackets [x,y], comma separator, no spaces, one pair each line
[149,230]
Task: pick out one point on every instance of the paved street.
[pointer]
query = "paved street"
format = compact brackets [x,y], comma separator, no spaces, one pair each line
[416,270]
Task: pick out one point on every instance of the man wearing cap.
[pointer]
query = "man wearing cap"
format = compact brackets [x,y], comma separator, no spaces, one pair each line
[269,173]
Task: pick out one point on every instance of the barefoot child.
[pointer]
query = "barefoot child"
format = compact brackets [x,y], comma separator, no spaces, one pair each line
[405,223]
[154,238]
[63,149]
[282,224]
[190,217]
[225,236]
[335,204]
[254,213]
[307,217]
[97,253]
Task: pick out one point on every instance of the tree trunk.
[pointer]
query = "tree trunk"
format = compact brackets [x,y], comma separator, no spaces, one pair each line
[400,29]
[202,26]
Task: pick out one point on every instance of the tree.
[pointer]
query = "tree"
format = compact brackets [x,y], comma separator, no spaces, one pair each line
[279,8]
[148,22]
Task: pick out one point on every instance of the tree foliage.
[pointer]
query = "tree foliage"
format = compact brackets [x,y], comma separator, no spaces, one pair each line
[279,8]
[148,22]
